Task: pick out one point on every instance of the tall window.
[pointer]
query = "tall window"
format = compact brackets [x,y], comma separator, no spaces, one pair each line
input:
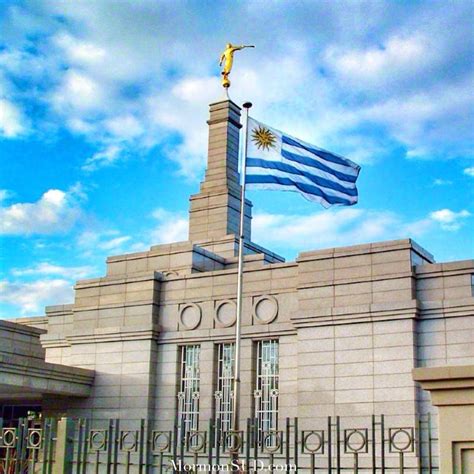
[188,395]
[266,386]
[224,394]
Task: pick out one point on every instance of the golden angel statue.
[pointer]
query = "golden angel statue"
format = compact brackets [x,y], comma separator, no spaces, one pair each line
[227,58]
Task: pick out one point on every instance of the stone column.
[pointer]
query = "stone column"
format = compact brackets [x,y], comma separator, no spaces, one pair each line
[452,391]
[215,211]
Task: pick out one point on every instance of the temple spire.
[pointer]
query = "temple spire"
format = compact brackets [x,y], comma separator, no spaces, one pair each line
[215,210]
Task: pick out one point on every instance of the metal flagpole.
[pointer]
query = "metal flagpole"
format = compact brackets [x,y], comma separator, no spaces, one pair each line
[236,411]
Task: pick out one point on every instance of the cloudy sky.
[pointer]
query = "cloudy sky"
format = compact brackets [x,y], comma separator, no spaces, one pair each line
[103,109]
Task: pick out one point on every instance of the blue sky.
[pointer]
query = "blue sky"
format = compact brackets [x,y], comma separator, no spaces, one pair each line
[103,109]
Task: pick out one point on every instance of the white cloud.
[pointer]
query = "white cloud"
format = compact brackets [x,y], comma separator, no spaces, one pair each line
[442,182]
[56,211]
[79,52]
[31,297]
[114,243]
[450,220]
[322,229]
[124,127]
[334,228]
[428,122]
[106,157]
[4,194]
[12,122]
[172,227]
[167,227]
[397,57]
[79,93]
[184,110]
[130,85]
[48,269]
[469,171]
[100,242]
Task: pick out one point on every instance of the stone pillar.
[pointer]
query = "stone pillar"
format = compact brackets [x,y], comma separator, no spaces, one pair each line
[452,391]
[215,211]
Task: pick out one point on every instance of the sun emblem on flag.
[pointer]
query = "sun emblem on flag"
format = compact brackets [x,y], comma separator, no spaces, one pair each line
[263,138]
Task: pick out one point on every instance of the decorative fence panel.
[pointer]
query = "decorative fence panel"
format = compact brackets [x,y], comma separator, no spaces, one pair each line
[115,446]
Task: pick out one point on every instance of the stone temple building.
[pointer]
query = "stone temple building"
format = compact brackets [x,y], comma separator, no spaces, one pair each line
[337,332]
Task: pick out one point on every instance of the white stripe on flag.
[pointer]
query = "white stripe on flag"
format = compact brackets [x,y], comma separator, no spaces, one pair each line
[280,187]
[335,166]
[297,179]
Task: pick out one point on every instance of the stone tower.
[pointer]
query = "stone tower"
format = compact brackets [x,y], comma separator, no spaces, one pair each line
[214,212]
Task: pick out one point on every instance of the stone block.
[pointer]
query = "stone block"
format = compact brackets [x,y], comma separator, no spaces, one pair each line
[356,342]
[394,407]
[460,350]
[391,268]
[432,338]
[391,340]
[394,366]
[316,277]
[349,300]
[316,371]
[307,347]
[397,295]
[321,359]
[432,352]
[353,273]
[457,292]
[136,265]
[353,396]
[351,330]
[353,261]
[108,368]
[116,268]
[353,289]
[354,382]
[351,356]
[354,369]
[460,337]
[322,332]
[394,353]
[115,298]
[393,394]
[390,327]
[466,322]
[115,348]
[313,398]
[391,256]
[423,284]
[351,413]
[393,380]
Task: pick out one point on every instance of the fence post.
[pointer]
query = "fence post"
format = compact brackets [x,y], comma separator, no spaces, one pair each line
[64,447]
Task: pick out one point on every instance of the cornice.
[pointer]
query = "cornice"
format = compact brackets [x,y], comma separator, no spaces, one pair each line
[112,334]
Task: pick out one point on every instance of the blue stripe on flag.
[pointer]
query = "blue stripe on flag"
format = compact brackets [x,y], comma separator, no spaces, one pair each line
[277,165]
[305,188]
[317,164]
[325,155]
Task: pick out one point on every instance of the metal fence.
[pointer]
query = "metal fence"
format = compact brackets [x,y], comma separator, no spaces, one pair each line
[79,446]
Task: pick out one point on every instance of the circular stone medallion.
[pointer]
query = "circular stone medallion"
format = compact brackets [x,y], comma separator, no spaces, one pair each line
[265,309]
[190,316]
[226,313]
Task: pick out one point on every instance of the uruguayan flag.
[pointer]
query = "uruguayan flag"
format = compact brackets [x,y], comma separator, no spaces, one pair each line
[280,162]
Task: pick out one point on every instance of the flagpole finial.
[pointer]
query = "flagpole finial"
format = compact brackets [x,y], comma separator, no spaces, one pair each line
[227,60]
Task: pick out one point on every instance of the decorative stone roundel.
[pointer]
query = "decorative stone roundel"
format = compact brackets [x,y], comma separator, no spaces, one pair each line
[226,313]
[190,316]
[265,309]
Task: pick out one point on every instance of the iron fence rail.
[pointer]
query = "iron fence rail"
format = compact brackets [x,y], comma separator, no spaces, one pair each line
[82,446]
